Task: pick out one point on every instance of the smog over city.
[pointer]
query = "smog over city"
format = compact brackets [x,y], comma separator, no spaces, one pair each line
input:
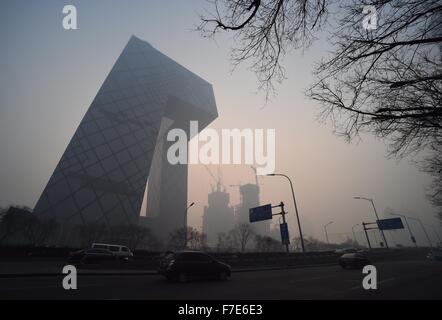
[240,151]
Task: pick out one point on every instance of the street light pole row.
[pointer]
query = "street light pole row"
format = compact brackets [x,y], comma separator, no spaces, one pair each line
[325,229]
[406,221]
[377,217]
[423,228]
[353,231]
[413,239]
[325,226]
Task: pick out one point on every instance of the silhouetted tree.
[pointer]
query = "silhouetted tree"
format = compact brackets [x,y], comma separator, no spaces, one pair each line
[177,238]
[14,219]
[131,235]
[90,233]
[9,224]
[2,212]
[267,244]
[241,234]
[195,239]
[310,243]
[39,231]
[264,30]
[385,80]
[19,222]
[224,242]
[433,166]
[313,244]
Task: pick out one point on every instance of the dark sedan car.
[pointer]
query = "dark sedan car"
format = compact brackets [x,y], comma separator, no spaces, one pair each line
[435,254]
[92,256]
[184,265]
[353,260]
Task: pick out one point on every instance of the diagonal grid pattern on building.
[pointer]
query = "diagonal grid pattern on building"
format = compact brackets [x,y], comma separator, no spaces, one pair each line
[102,175]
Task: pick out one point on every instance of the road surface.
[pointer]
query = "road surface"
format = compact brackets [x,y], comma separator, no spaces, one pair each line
[396,280]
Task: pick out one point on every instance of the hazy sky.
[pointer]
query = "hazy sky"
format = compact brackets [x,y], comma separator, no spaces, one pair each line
[49,76]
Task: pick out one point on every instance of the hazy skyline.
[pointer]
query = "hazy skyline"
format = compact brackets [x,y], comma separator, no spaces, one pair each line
[50,76]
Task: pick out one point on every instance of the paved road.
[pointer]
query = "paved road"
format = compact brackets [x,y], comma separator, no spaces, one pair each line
[396,280]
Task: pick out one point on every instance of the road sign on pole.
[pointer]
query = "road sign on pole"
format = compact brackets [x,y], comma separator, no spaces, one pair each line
[390,224]
[285,239]
[265,213]
[260,213]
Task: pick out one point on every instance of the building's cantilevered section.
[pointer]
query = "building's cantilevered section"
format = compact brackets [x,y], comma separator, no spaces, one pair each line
[102,175]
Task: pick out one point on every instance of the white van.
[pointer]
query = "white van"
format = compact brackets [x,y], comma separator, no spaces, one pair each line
[120,251]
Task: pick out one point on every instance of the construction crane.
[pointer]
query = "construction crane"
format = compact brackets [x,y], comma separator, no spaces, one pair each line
[256,179]
[211,174]
[256,175]
[218,180]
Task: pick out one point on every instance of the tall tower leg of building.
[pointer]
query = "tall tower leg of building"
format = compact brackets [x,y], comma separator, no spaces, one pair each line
[167,193]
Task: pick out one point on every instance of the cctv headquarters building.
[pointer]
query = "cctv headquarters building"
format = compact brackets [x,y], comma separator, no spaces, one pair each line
[120,146]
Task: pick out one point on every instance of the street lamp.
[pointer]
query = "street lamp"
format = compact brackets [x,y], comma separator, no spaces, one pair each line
[353,231]
[377,217]
[413,239]
[425,230]
[185,224]
[296,207]
[325,229]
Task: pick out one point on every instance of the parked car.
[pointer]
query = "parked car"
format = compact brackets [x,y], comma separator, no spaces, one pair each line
[353,260]
[119,250]
[346,250]
[435,254]
[185,265]
[93,256]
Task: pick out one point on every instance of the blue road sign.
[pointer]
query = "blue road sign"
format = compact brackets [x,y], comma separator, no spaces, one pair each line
[390,224]
[285,239]
[260,213]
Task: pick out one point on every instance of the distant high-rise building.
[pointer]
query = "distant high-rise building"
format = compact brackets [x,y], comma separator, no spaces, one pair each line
[218,215]
[249,199]
[121,142]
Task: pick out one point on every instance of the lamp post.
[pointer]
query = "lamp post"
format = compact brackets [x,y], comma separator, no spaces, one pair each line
[353,231]
[296,207]
[423,228]
[325,229]
[185,224]
[377,217]
[413,239]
